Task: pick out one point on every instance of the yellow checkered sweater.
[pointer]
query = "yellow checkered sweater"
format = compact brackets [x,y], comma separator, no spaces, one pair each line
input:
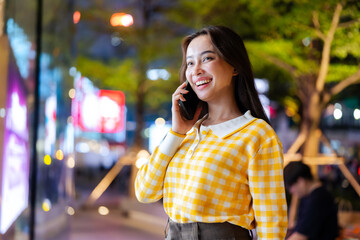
[232,171]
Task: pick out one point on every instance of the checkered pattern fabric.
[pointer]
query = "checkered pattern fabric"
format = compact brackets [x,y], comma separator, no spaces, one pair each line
[231,172]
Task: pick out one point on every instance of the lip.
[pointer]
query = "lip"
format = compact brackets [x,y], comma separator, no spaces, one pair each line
[202,79]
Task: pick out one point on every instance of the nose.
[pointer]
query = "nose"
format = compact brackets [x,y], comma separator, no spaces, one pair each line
[198,70]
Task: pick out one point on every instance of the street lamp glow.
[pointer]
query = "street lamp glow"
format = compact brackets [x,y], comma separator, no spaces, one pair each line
[102,210]
[121,19]
[72,93]
[47,160]
[357,114]
[337,106]
[70,162]
[46,205]
[76,17]
[72,71]
[141,158]
[59,154]
[70,211]
[337,114]
[160,122]
[155,74]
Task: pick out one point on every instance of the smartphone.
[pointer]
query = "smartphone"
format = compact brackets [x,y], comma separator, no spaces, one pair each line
[188,107]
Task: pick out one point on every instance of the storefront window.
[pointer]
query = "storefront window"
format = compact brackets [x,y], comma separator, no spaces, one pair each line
[54,144]
[18,51]
[30,128]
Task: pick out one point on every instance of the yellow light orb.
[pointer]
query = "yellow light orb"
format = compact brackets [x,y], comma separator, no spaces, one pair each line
[59,155]
[47,160]
[46,205]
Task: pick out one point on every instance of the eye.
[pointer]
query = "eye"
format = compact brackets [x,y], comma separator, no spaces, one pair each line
[189,63]
[207,58]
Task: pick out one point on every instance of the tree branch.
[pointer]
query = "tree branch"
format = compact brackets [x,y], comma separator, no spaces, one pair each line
[316,22]
[290,69]
[345,83]
[299,141]
[349,23]
[325,59]
[300,92]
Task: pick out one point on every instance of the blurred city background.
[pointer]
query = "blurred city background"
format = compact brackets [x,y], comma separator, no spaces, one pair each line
[85,96]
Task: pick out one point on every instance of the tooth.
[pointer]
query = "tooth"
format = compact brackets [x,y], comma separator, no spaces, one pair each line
[202,82]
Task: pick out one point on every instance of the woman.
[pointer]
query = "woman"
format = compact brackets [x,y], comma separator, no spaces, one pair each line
[219,175]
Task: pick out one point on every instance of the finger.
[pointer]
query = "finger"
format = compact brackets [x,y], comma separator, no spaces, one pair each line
[184,91]
[182,98]
[181,90]
[177,96]
[176,102]
[180,95]
[182,86]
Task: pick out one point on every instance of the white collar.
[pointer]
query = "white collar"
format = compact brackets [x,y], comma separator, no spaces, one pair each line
[224,129]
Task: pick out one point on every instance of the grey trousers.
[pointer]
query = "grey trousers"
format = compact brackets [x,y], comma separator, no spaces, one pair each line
[205,231]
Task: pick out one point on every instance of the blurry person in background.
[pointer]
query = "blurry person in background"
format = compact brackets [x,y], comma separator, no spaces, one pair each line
[220,174]
[317,212]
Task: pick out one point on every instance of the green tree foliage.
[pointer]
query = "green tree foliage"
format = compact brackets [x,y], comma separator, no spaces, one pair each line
[251,19]
[152,42]
[122,75]
[315,43]
[309,50]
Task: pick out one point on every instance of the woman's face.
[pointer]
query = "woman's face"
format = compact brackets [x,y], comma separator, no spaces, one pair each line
[209,75]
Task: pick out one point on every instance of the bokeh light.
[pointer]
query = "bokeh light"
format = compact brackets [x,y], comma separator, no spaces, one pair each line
[47,160]
[121,19]
[76,17]
[59,154]
[160,122]
[70,162]
[141,158]
[46,205]
[70,210]
[103,210]
[337,113]
[357,114]
[72,93]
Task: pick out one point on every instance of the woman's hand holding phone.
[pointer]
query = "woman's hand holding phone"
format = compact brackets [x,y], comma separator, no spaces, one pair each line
[180,124]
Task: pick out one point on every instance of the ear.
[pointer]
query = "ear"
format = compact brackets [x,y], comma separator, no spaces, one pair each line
[235,72]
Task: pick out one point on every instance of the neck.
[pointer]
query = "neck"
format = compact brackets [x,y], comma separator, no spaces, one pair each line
[219,113]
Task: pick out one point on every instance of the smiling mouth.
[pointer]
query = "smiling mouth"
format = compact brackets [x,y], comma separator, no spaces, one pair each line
[202,82]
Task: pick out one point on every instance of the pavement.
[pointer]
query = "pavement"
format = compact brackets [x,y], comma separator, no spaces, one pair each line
[127,219]
[90,225]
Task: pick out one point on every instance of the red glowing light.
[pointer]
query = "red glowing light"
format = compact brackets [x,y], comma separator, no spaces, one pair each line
[76,17]
[103,111]
[121,19]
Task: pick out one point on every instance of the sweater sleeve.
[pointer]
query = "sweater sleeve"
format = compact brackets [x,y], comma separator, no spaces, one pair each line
[267,190]
[149,180]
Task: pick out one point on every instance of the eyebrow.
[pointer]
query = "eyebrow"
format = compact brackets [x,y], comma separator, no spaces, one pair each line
[204,52]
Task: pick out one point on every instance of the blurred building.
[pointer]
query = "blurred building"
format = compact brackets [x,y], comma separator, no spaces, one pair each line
[51,119]
[40,140]
[36,133]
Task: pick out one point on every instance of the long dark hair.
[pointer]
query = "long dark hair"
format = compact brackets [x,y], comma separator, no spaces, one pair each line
[230,47]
